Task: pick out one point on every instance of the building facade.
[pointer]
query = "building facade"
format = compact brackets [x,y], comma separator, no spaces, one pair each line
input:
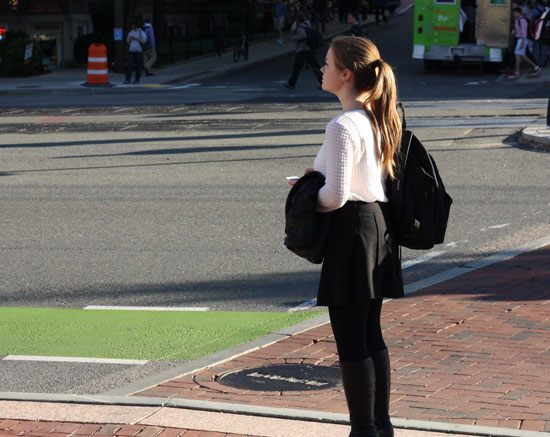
[53,24]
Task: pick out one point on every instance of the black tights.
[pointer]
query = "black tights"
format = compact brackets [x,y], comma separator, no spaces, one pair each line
[357,329]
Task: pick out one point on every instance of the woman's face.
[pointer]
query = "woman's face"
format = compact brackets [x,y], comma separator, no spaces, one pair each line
[332,75]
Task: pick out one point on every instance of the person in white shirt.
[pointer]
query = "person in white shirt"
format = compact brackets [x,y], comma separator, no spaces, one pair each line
[361,265]
[136,37]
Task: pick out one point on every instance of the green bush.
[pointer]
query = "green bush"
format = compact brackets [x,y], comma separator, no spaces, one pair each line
[13,54]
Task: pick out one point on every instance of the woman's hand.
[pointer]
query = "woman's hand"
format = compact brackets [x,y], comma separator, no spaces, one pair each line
[309,170]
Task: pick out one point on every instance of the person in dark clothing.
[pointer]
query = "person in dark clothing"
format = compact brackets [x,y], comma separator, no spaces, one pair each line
[303,53]
[320,14]
[380,7]
[218,27]
[354,7]
[355,29]
[343,8]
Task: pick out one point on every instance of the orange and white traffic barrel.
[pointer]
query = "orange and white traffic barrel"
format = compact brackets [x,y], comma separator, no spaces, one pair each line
[98,73]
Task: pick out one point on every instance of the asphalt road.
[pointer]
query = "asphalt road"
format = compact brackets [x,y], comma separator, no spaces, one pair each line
[106,210]
[176,198]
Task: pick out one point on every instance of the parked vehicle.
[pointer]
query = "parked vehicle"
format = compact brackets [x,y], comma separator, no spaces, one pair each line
[443,31]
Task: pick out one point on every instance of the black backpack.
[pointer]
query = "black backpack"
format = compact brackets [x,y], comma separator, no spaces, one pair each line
[544,36]
[419,202]
[314,39]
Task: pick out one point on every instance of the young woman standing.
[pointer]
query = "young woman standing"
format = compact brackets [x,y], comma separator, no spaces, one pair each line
[361,264]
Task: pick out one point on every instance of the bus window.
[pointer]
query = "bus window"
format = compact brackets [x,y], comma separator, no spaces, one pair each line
[445,2]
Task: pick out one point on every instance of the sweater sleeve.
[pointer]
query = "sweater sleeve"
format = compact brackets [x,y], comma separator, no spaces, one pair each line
[339,163]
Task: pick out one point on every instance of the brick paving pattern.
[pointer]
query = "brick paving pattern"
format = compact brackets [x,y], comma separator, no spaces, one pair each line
[472,350]
[9,428]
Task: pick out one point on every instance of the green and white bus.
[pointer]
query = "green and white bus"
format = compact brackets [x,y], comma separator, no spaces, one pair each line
[461,30]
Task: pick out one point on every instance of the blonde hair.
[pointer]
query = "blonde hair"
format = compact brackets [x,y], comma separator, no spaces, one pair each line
[374,76]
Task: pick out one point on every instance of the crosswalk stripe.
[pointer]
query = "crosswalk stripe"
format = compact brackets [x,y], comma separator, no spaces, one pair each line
[74,360]
[132,308]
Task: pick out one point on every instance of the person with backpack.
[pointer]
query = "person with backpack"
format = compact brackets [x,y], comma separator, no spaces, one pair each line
[361,264]
[149,48]
[521,26]
[136,37]
[306,38]
[539,42]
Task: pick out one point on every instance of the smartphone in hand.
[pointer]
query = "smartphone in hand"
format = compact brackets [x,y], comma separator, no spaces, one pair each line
[292,178]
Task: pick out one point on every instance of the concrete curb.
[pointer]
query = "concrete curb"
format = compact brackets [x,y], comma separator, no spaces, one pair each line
[218,357]
[537,135]
[269,412]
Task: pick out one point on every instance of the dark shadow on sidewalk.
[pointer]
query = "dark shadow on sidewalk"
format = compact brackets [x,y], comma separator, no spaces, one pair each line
[524,278]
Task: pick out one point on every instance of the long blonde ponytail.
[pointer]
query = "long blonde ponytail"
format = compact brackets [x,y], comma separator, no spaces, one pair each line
[375,77]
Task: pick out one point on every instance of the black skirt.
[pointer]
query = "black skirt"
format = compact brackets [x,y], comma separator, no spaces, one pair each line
[361,258]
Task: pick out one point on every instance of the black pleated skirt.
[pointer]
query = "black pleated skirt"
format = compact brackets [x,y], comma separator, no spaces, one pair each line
[361,259]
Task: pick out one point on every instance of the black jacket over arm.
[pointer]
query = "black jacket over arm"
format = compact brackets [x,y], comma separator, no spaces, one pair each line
[305,228]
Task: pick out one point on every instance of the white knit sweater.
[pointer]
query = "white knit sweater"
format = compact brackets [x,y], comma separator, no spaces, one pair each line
[349,160]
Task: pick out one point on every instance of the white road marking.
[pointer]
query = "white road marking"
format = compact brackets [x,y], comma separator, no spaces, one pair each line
[74,360]
[189,85]
[499,226]
[421,259]
[304,306]
[130,308]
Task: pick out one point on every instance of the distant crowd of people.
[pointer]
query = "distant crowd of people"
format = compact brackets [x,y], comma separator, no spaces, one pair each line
[279,16]
[530,45]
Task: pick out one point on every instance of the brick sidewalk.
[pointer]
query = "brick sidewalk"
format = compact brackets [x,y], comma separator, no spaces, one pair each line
[472,350]
[9,428]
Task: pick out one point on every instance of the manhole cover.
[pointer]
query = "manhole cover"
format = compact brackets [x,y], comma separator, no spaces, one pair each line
[285,377]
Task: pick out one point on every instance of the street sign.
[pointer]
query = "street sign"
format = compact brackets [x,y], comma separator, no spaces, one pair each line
[28,52]
[118,34]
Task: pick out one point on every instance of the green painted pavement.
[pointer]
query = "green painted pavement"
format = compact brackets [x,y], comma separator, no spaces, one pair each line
[140,335]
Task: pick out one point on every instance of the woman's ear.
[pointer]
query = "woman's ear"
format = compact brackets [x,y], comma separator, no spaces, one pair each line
[346,75]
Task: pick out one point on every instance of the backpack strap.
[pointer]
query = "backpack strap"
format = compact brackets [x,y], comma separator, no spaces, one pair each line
[403,122]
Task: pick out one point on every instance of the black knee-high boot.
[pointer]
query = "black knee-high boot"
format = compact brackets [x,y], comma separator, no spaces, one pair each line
[358,381]
[381,360]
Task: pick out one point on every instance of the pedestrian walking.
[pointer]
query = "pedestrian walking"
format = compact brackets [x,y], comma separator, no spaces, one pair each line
[343,8]
[136,37]
[520,29]
[149,48]
[218,27]
[380,7]
[304,53]
[320,14]
[280,15]
[356,29]
[361,264]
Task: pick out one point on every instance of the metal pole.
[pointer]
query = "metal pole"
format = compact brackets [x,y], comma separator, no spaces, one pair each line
[548,115]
